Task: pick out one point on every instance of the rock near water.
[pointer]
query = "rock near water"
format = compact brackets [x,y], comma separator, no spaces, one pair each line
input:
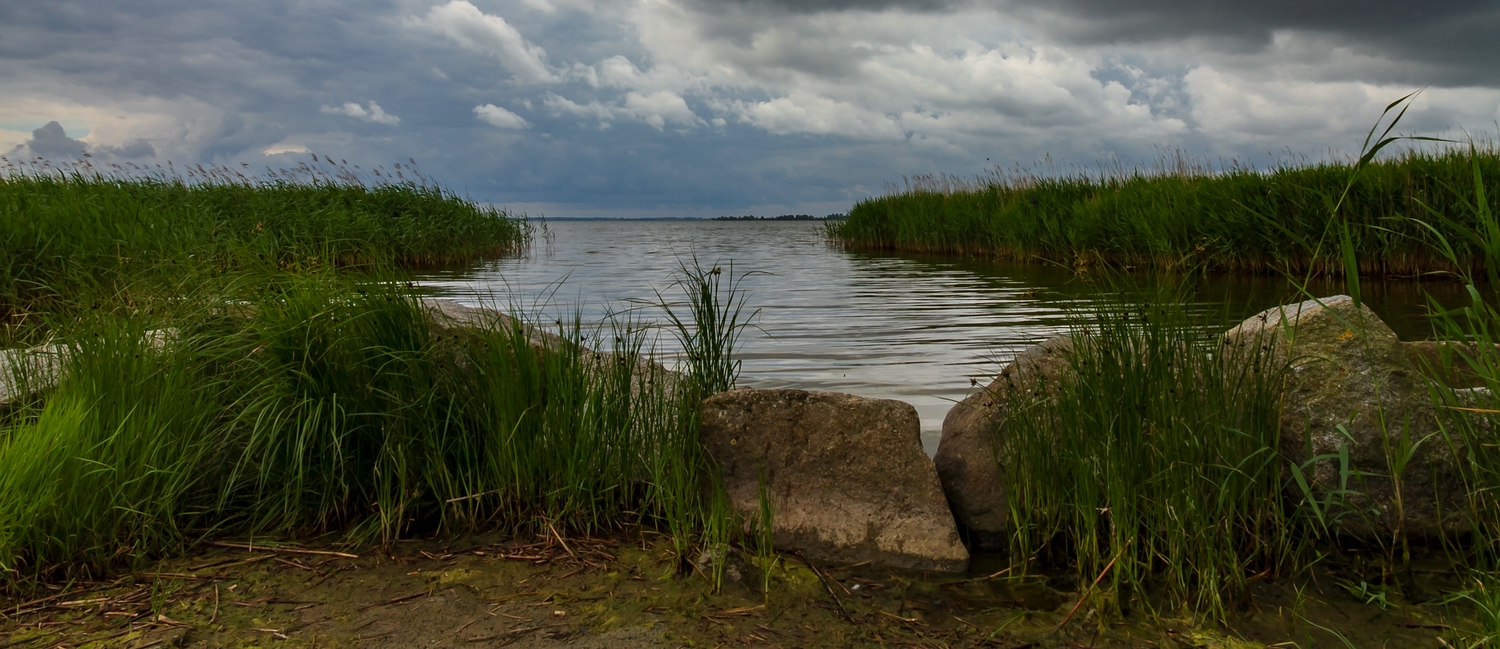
[966,457]
[846,476]
[1351,384]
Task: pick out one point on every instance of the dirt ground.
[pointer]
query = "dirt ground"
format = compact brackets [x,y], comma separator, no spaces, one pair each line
[629,592]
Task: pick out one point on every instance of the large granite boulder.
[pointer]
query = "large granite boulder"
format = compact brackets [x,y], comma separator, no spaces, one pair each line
[846,476]
[1351,384]
[966,459]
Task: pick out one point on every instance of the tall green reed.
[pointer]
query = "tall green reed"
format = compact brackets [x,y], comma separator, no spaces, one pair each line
[1470,414]
[78,237]
[1231,219]
[1456,228]
[112,463]
[1151,467]
[317,402]
[708,334]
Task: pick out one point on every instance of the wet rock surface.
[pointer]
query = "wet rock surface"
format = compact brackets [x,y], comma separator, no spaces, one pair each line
[966,455]
[845,476]
[1350,383]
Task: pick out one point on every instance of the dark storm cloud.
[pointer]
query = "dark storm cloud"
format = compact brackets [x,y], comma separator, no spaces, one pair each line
[820,6]
[1448,42]
[681,105]
[51,141]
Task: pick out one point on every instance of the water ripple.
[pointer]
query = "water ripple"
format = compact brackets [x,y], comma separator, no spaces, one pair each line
[895,327]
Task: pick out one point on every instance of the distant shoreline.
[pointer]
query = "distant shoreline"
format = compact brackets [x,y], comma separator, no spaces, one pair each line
[798,218]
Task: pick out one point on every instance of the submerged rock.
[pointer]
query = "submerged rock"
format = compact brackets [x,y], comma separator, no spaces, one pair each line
[966,458]
[845,476]
[1351,384]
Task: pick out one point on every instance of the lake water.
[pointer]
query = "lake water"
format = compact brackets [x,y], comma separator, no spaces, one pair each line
[913,328]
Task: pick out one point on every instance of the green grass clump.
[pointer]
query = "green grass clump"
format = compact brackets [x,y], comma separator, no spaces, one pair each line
[1235,219]
[246,356]
[315,404]
[69,239]
[1152,467]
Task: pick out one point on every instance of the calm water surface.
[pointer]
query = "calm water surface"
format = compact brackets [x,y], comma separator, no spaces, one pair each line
[912,328]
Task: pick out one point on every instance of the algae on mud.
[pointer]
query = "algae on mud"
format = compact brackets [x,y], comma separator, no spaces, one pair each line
[624,591]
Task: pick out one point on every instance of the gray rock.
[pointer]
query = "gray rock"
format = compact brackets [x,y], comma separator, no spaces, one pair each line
[1350,383]
[846,476]
[966,458]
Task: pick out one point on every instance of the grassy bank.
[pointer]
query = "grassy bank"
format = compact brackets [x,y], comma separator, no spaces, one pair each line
[1153,464]
[1152,469]
[315,404]
[245,356]
[80,237]
[1238,219]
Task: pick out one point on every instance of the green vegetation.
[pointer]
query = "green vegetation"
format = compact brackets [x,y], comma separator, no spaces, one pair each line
[1152,467]
[1471,422]
[1235,219]
[246,357]
[75,237]
[323,404]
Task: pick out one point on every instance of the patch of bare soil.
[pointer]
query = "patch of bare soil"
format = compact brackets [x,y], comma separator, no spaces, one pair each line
[630,591]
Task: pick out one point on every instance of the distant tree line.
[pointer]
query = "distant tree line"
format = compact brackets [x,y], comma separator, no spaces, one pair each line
[784,217]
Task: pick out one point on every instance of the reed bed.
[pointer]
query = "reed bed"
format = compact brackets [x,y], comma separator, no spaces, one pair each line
[1470,425]
[75,235]
[320,404]
[246,356]
[1151,468]
[1229,218]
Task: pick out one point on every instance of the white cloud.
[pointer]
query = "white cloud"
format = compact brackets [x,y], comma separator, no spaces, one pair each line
[372,114]
[560,105]
[499,117]
[283,147]
[540,5]
[657,109]
[311,143]
[950,81]
[813,114]
[487,34]
[177,129]
[1275,109]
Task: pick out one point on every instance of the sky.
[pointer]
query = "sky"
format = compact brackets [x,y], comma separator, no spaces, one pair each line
[708,107]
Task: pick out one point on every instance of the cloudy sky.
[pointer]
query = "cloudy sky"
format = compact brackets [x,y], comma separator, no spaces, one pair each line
[708,107]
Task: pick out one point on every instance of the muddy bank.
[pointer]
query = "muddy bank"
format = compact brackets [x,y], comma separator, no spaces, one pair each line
[628,591]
